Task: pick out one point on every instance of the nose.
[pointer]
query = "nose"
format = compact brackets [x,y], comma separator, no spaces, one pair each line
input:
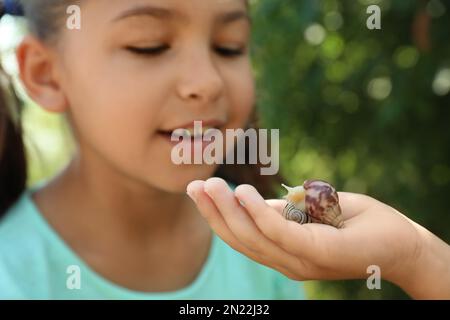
[200,79]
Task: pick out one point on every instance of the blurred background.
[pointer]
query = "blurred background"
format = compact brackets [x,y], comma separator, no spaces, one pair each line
[368,110]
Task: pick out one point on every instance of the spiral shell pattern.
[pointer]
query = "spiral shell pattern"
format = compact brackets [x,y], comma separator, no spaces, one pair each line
[290,212]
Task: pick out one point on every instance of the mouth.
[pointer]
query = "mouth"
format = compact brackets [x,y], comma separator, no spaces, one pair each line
[195,130]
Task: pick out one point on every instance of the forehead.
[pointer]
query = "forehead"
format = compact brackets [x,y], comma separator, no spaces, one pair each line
[220,11]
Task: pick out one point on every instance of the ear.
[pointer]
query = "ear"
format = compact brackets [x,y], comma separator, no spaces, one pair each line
[39,74]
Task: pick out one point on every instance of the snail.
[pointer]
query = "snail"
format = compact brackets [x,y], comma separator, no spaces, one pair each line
[314,201]
[290,212]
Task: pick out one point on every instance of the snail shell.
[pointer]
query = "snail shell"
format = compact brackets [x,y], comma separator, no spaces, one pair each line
[318,199]
[290,212]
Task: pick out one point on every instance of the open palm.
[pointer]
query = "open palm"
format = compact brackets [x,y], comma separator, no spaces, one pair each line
[374,233]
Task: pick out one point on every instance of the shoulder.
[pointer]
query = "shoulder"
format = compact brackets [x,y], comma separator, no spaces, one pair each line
[21,245]
[16,227]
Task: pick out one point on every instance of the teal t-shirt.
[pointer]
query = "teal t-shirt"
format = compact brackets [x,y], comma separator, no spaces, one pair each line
[35,263]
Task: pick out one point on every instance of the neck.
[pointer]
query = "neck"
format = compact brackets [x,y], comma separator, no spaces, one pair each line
[97,195]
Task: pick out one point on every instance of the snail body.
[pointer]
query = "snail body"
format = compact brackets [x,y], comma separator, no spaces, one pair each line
[316,199]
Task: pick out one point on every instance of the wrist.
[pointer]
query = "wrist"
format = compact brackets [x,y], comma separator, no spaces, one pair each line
[427,274]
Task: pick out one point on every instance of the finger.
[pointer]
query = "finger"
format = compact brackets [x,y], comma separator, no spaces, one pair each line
[277,204]
[241,224]
[353,204]
[314,242]
[209,211]
[233,213]
[219,226]
[297,269]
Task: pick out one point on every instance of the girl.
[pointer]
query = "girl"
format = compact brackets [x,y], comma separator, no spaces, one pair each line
[116,223]
[118,218]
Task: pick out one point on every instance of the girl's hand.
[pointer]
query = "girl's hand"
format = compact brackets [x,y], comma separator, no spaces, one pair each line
[374,234]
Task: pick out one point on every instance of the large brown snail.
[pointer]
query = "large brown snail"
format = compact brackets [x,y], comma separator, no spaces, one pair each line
[314,201]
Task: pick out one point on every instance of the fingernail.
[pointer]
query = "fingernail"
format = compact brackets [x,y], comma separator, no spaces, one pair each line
[191,194]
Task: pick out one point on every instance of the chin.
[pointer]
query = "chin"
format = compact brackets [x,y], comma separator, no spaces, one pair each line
[177,179]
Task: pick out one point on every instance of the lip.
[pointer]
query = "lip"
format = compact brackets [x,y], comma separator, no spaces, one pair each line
[193,142]
[215,123]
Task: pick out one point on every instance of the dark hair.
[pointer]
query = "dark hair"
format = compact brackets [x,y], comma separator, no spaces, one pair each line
[250,173]
[44,19]
[13,167]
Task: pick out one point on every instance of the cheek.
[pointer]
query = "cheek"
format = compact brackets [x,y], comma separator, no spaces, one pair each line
[242,98]
[114,114]
[117,116]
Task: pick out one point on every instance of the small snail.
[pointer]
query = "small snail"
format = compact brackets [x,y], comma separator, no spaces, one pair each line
[290,212]
[314,201]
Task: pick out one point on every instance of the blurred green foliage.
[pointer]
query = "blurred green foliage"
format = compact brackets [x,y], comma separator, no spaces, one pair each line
[368,110]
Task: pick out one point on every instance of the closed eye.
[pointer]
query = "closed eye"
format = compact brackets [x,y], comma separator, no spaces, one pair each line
[228,52]
[151,51]
[154,51]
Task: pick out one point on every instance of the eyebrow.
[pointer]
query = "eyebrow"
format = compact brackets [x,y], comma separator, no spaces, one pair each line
[163,13]
[155,12]
[233,16]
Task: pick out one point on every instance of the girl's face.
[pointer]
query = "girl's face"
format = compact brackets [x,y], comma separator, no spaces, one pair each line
[139,67]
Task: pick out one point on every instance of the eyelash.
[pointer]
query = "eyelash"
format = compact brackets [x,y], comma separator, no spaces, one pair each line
[148,51]
[227,52]
[155,51]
